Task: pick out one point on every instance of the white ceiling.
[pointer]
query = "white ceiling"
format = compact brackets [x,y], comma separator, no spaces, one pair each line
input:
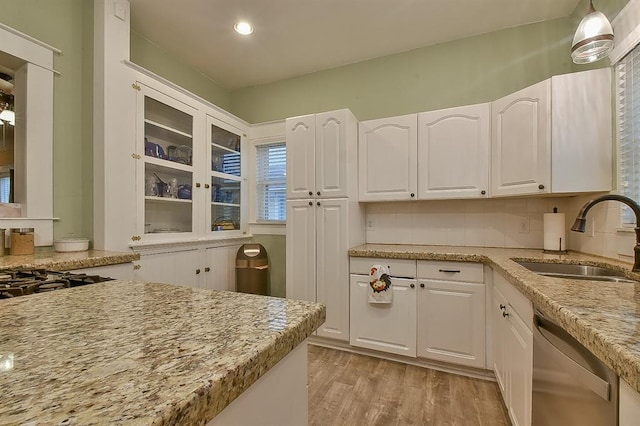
[296,37]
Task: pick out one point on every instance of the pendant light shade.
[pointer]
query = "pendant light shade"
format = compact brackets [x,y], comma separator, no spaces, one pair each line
[593,39]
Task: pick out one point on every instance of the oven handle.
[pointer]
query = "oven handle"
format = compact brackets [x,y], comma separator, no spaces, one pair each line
[600,387]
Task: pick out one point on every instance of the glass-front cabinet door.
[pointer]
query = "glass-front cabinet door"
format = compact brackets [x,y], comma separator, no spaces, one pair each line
[166,170]
[225,214]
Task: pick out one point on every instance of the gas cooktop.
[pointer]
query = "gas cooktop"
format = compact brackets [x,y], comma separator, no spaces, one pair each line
[25,281]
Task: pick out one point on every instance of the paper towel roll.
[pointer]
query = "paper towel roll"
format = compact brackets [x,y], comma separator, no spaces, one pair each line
[555,235]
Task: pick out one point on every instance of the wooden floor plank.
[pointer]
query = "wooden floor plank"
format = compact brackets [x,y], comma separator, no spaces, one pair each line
[352,389]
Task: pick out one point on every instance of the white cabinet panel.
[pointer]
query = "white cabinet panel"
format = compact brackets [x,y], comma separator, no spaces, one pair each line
[629,405]
[453,152]
[301,250]
[522,141]
[300,136]
[387,158]
[385,327]
[331,153]
[451,324]
[499,340]
[332,267]
[520,359]
[219,272]
[180,268]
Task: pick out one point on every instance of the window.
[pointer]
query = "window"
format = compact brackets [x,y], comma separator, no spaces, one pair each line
[5,188]
[628,78]
[271,182]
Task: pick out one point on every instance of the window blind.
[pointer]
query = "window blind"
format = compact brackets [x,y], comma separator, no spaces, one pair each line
[271,182]
[5,188]
[628,80]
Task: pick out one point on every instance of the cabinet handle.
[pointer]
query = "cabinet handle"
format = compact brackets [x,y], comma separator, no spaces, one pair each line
[502,307]
[206,185]
[505,314]
[197,184]
[483,192]
[541,186]
[318,202]
[197,271]
[452,271]
[310,192]
[318,192]
[413,195]
[207,269]
[412,285]
[421,285]
[310,203]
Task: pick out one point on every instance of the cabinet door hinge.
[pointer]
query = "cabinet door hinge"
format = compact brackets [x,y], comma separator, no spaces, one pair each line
[136,238]
[136,87]
[136,156]
[137,267]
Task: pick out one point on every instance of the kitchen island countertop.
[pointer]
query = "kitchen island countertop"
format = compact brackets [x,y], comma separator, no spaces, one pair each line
[603,316]
[124,352]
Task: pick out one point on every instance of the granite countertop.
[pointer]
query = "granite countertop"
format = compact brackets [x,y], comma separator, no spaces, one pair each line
[162,355]
[603,316]
[50,259]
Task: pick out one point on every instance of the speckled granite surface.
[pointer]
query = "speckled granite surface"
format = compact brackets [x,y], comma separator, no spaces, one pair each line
[161,355]
[603,316]
[52,260]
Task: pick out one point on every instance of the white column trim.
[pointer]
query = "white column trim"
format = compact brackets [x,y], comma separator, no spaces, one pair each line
[626,27]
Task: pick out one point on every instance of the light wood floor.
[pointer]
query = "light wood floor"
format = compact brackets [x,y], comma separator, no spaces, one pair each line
[351,389]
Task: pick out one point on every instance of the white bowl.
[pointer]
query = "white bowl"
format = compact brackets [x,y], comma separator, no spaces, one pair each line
[71,244]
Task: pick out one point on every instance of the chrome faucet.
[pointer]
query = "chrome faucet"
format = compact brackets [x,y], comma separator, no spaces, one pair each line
[580,225]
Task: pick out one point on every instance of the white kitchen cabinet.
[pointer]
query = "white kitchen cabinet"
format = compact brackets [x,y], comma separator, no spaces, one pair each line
[317,261]
[384,327]
[219,272]
[318,156]
[553,136]
[175,267]
[512,318]
[453,152]
[388,148]
[451,312]
[442,312]
[324,218]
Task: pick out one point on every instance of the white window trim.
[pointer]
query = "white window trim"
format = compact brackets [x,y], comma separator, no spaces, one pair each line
[626,27]
[262,134]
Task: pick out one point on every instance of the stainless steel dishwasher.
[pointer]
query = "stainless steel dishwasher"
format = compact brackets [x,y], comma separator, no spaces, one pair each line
[570,385]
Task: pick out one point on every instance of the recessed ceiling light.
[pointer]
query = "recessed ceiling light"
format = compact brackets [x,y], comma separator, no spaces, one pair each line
[243,28]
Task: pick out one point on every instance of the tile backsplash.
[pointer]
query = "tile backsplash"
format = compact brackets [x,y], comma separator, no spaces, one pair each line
[501,222]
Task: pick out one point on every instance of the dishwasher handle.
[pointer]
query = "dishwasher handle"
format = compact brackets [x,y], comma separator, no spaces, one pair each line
[596,384]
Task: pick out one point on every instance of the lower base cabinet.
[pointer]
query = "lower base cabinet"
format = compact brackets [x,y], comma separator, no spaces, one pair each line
[436,317]
[512,322]
[211,267]
[380,326]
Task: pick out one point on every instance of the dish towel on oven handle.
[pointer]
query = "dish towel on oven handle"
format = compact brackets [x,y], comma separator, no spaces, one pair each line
[380,290]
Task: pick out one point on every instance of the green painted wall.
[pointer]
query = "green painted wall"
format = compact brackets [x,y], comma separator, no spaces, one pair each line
[467,71]
[275,246]
[67,25]
[152,57]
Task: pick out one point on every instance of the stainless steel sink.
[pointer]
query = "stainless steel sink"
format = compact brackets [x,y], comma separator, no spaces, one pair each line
[576,272]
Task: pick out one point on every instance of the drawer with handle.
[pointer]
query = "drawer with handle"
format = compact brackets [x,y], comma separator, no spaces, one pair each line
[451,271]
[403,268]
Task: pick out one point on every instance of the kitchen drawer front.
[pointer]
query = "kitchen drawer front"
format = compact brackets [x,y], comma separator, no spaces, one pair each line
[451,271]
[397,267]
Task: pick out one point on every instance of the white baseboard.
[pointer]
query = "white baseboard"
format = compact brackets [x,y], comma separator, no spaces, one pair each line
[419,362]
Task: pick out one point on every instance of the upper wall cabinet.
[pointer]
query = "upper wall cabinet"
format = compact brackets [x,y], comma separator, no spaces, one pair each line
[387,158]
[189,169]
[453,152]
[317,155]
[554,136]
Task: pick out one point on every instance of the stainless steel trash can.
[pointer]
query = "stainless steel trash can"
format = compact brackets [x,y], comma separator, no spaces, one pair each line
[252,269]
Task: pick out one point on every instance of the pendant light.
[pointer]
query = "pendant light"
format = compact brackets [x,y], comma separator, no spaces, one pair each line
[593,39]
